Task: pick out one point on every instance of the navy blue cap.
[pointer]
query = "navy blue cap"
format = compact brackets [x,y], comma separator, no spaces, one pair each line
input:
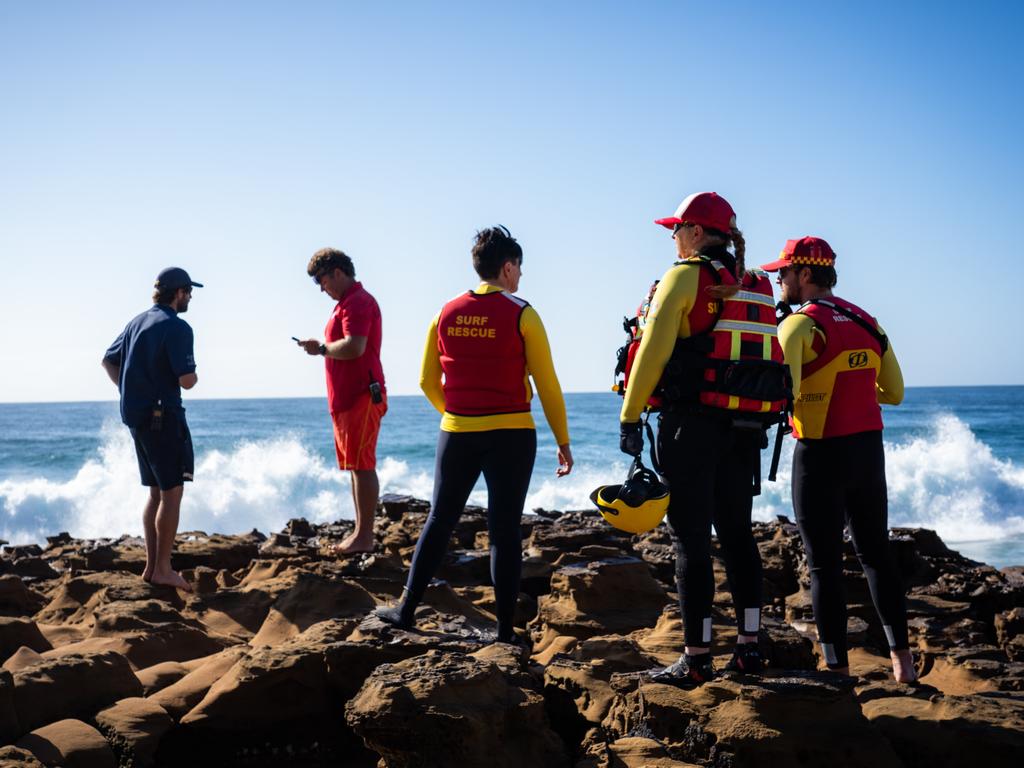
[175,277]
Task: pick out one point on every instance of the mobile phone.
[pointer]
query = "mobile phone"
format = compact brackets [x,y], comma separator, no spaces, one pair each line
[375,393]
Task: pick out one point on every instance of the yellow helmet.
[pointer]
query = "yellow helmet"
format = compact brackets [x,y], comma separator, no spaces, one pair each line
[637,505]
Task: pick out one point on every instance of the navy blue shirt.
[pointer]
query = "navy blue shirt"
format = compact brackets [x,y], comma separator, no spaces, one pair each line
[153,351]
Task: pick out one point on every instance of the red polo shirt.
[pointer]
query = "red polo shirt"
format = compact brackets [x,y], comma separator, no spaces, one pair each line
[357,314]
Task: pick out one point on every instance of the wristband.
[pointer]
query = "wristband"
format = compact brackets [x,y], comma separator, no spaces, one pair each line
[323,350]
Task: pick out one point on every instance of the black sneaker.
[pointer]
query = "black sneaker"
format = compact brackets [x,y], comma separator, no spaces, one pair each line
[746,660]
[687,672]
[391,614]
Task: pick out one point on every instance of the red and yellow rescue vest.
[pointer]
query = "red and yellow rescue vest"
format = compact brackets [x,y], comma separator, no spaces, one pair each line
[483,356]
[744,349]
[731,360]
[837,388]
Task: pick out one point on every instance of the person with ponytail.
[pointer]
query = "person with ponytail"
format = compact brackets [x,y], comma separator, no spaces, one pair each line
[709,441]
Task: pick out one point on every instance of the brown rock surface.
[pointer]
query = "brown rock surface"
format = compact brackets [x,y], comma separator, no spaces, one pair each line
[70,744]
[449,709]
[15,757]
[18,632]
[179,697]
[71,685]
[255,668]
[133,727]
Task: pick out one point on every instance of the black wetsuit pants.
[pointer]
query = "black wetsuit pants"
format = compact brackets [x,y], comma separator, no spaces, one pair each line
[505,457]
[711,466]
[840,481]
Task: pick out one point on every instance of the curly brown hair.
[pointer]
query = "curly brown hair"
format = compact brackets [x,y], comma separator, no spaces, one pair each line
[330,258]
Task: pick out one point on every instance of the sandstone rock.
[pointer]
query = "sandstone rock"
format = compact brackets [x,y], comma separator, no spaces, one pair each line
[266,688]
[180,697]
[16,599]
[396,506]
[77,685]
[763,723]
[21,658]
[17,632]
[448,709]
[616,595]
[15,757]
[194,549]
[69,743]
[159,676]
[951,730]
[134,727]
[1009,627]
[10,728]
[311,600]
[31,569]
[77,597]
[632,752]
[59,635]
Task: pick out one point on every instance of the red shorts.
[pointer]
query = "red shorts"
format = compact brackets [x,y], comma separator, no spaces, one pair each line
[355,433]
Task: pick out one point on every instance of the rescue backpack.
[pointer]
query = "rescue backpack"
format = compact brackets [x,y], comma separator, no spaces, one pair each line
[735,367]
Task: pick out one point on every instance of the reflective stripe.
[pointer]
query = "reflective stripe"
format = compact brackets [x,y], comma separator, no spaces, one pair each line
[830,654]
[754,298]
[706,635]
[889,635]
[751,620]
[746,327]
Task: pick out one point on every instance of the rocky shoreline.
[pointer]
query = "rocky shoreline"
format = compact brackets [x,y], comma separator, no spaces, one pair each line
[275,659]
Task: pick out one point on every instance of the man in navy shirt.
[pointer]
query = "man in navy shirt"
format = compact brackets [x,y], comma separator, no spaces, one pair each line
[150,362]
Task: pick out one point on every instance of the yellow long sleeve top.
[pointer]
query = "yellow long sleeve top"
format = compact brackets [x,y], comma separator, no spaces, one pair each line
[668,319]
[539,366]
[796,335]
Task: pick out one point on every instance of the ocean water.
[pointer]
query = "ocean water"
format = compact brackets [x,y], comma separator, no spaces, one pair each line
[955,458]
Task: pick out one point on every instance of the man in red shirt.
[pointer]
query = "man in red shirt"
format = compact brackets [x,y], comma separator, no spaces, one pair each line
[356,395]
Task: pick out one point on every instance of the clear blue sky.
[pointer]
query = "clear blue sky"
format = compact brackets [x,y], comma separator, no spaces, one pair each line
[234,139]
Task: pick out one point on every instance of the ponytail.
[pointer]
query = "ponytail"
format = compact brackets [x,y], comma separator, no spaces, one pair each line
[739,249]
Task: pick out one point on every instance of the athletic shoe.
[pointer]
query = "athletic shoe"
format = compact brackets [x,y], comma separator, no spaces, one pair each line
[687,672]
[746,660]
[391,614]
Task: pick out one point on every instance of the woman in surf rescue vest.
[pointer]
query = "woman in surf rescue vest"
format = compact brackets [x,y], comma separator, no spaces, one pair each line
[482,349]
[709,440]
[843,366]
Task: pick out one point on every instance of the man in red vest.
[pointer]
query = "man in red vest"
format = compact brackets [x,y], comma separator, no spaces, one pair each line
[356,395]
[843,366]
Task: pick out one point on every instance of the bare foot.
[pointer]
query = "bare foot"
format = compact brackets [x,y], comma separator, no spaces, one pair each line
[147,575]
[353,544]
[903,670]
[170,579]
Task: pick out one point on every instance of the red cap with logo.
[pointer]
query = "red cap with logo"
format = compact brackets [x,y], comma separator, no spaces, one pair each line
[807,251]
[708,209]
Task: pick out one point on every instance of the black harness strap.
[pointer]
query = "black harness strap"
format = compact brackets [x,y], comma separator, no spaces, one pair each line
[881,338]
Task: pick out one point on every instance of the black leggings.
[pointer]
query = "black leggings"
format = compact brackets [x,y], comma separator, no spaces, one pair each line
[840,481]
[505,456]
[710,467]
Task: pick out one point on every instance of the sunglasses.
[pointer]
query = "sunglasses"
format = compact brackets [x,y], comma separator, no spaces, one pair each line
[680,225]
[320,275]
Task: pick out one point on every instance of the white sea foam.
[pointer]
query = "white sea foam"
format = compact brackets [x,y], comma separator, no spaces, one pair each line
[258,484]
[946,479]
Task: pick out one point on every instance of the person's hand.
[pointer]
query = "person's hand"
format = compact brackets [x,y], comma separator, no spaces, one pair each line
[565,461]
[312,346]
[631,438]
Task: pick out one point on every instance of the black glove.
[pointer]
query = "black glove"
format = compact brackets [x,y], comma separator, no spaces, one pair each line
[631,437]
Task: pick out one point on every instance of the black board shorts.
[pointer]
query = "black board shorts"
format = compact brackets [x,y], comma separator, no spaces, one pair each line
[165,455]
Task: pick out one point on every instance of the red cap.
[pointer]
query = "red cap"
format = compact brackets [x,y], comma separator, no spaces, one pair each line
[705,208]
[811,251]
